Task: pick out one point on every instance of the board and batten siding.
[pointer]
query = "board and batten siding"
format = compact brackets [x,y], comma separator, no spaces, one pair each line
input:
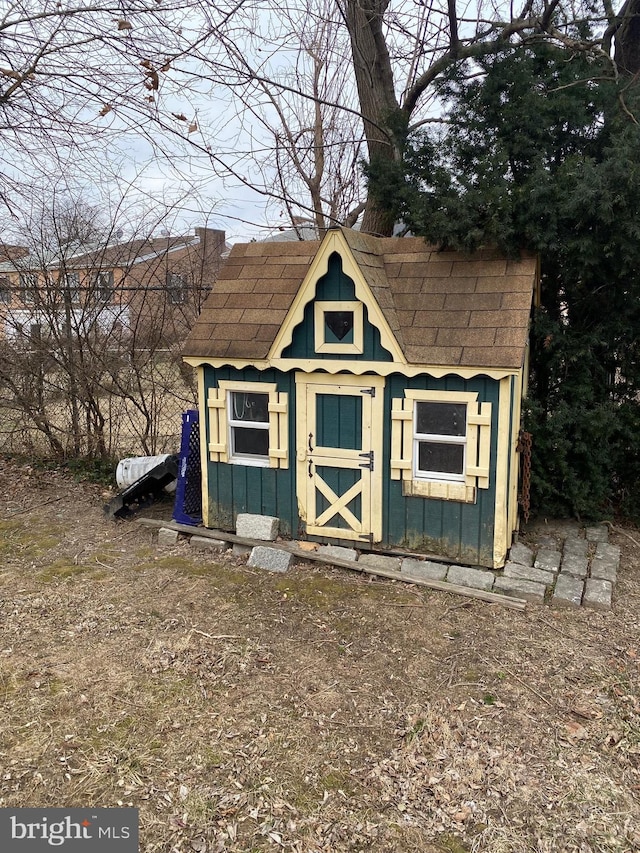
[232,489]
[461,531]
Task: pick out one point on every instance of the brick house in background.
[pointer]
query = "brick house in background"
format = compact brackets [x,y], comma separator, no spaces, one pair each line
[152,288]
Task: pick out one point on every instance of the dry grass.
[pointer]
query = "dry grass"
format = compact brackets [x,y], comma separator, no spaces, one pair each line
[311,712]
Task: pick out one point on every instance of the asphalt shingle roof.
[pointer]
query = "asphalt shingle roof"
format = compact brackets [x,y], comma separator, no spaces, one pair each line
[444,307]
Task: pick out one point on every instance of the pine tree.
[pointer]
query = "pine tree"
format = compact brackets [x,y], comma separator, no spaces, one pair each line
[541,150]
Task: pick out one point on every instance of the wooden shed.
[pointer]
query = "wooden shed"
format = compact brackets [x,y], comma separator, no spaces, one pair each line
[366,391]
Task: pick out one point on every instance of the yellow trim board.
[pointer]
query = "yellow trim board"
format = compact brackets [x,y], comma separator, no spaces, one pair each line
[334,241]
[357,368]
[501,534]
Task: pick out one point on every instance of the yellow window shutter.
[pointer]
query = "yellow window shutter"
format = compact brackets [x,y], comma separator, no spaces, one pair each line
[278,430]
[216,406]
[478,444]
[401,438]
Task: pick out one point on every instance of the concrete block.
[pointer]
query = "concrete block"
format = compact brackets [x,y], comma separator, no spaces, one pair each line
[597,594]
[575,548]
[257,526]
[598,533]
[546,542]
[240,550]
[605,549]
[203,543]
[380,561]
[574,565]
[474,578]
[271,559]
[424,569]
[548,559]
[603,568]
[166,536]
[568,591]
[522,554]
[518,588]
[338,552]
[529,573]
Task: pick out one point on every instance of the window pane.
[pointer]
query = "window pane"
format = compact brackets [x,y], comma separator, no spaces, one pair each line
[441,418]
[247,406]
[441,458]
[339,323]
[250,440]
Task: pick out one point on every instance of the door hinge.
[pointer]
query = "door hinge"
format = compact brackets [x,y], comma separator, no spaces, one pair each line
[371,391]
[368,456]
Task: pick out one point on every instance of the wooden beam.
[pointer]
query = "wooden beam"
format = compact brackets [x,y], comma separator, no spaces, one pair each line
[352,565]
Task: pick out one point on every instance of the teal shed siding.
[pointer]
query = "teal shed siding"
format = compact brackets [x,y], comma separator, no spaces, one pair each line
[245,488]
[457,530]
[454,529]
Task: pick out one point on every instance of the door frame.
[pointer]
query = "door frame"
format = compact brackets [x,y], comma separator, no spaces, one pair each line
[372,389]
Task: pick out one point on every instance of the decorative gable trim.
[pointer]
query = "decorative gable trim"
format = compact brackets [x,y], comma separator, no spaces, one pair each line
[335,241]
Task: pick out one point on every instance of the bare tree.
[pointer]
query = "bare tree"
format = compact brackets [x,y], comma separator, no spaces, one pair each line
[252,91]
[89,330]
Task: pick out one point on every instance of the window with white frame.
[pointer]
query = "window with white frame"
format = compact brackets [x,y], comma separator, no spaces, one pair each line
[440,444]
[104,285]
[248,424]
[440,439]
[248,414]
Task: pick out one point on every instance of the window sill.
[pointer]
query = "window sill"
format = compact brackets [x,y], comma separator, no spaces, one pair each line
[248,460]
[443,491]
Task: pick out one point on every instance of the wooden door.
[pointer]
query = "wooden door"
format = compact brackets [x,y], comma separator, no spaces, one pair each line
[339,451]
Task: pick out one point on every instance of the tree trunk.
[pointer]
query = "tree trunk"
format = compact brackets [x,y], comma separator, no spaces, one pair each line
[376,92]
[627,37]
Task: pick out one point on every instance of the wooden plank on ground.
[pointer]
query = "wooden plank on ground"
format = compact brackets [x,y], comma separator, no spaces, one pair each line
[352,565]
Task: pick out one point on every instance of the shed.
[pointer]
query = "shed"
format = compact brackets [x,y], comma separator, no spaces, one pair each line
[366,391]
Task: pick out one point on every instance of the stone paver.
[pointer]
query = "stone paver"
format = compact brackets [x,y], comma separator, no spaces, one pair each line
[529,573]
[518,588]
[338,552]
[474,578]
[203,543]
[606,562]
[599,533]
[240,550]
[166,536]
[568,591]
[380,561]
[574,565]
[597,594]
[257,526]
[271,559]
[548,559]
[522,554]
[424,569]
[547,542]
[603,568]
[576,548]
[605,549]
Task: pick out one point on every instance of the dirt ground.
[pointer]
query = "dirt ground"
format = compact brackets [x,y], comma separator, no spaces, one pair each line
[314,711]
